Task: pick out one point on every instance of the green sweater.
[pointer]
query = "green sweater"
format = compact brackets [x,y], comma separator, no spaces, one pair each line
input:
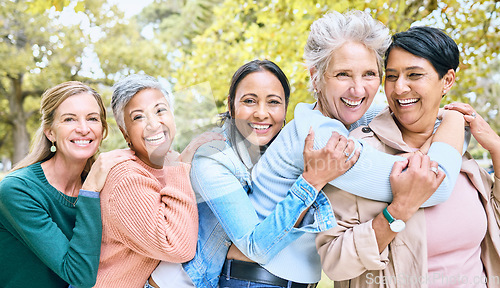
[46,241]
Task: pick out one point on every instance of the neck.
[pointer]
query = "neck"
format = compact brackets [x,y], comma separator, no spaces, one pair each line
[63,175]
[415,138]
[325,112]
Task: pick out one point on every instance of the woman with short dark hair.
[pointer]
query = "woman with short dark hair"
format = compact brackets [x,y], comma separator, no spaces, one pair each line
[452,244]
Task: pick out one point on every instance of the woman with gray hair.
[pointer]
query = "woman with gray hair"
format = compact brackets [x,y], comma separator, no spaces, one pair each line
[148,206]
[344,56]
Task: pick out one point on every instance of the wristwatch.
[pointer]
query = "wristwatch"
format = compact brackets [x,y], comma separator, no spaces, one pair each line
[395,224]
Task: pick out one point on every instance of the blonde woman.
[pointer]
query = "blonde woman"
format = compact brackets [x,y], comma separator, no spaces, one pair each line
[50,221]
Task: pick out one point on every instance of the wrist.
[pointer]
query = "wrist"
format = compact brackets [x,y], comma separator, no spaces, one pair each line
[400,212]
[317,184]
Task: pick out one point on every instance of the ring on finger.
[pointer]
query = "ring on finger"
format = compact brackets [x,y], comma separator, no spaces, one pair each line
[435,170]
[346,154]
[473,115]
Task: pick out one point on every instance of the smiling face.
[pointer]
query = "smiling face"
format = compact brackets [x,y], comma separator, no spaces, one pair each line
[414,89]
[259,107]
[150,126]
[77,129]
[350,83]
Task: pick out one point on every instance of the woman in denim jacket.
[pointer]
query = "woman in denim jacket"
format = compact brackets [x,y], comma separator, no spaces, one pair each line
[220,175]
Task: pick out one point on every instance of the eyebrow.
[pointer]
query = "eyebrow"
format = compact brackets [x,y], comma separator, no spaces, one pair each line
[140,110]
[405,69]
[255,95]
[73,114]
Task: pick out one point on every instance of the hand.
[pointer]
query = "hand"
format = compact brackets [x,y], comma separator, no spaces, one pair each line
[101,167]
[323,165]
[479,128]
[187,154]
[412,187]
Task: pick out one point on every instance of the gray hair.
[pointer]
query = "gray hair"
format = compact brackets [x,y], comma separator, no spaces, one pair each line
[332,30]
[126,88]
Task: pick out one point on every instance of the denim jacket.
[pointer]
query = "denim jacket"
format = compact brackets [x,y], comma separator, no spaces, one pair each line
[221,179]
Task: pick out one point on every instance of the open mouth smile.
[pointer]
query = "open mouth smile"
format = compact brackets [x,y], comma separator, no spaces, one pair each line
[352,103]
[81,142]
[156,139]
[407,102]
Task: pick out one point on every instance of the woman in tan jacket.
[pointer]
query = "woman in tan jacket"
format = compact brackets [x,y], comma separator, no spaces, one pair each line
[453,244]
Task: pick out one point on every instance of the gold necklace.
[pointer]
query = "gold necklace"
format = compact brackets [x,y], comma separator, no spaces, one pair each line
[64,196]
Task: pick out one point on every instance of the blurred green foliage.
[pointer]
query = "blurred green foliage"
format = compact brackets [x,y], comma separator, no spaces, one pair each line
[200,43]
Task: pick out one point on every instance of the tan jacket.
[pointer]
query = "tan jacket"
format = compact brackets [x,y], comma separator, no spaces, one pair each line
[349,252]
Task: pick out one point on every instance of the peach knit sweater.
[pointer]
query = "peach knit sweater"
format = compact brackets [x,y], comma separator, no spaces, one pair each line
[148,215]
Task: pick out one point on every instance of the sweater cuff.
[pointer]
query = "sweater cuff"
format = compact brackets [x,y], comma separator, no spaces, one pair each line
[87,193]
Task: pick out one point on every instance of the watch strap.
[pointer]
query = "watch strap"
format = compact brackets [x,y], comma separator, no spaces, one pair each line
[388,216]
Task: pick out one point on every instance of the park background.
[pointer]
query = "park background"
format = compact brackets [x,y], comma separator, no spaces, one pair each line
[195,46]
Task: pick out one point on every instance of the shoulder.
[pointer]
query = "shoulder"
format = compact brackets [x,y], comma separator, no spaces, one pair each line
[125,170]
[20,178]
[362,132]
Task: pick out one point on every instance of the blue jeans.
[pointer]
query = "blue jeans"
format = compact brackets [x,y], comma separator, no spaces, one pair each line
[224,282]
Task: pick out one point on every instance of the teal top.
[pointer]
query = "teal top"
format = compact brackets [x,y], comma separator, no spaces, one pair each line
[46,240]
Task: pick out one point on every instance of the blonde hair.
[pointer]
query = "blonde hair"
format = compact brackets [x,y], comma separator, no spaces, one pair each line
[51,100]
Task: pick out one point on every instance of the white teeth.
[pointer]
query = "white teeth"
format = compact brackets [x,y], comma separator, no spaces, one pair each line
[81,142]
[410,101]
[259,127]
[155,139]
[351,103]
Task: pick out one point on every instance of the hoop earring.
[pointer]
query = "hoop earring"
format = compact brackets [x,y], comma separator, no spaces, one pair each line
[53,148]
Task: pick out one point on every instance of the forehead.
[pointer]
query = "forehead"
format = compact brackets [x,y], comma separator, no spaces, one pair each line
[399,57]
[353,56]
[79,103]
[261,81]
[145,99]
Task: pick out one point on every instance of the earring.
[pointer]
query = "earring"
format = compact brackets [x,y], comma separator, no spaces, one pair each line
[53,148]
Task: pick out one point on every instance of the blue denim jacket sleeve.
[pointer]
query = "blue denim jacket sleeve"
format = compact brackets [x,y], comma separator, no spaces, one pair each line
[218,176]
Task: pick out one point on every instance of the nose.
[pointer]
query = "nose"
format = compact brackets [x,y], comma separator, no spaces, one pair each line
[261,112]
[83,128]
[153,122]
[357,89]
[401,87]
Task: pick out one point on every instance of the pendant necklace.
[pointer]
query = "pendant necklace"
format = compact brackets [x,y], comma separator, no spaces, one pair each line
[65,198]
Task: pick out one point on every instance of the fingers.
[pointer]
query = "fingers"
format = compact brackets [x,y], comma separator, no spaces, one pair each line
[342,146]
[333,142]
[463,108]
[349,148]
[467,110]
[398,167]
[440,177]
[353,159]
[415,161]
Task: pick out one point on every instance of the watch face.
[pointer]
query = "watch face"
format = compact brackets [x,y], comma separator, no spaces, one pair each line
[398,226]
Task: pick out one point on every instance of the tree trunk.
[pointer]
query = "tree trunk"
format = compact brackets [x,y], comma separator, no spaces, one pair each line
[20,135]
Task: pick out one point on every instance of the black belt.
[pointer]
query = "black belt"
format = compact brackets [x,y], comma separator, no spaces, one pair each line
[249,271]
